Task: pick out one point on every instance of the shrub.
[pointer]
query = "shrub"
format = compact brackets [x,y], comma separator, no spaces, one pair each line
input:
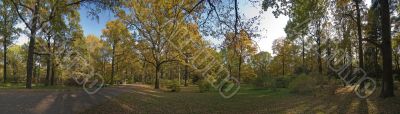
[204,86]
[282,82]
[227,86]
[302,84]
[263,82]
[72,82]
[173,85]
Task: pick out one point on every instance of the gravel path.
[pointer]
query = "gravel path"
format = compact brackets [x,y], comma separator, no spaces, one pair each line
[54,102]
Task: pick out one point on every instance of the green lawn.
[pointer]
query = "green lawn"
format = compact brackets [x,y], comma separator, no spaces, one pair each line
[248,100]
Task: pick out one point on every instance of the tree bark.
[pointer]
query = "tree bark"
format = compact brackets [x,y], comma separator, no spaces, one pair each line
[318,41]
[186,69]
[5,59]
[360,49]
[283,64]
[31,46]
[52,76]
[15,70]
[29,63]
[48,62]
[387,78]
[157,81]
[112,64]
[302,52]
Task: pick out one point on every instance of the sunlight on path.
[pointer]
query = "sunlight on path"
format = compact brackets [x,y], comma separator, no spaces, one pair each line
[44,104]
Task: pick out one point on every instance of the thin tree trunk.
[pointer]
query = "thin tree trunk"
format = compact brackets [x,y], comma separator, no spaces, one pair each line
[5,59]
[186,75]
[38,75]
[318,41]
[360,49]
[48,62]
[186,69]
[283,65]
[112,64]
[302,52]
[15,70]
[179,74]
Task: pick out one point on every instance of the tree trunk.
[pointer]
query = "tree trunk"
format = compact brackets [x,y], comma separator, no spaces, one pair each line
[396,61]
[186,69]
[283,65]
[186,75]
[319,59]
[29,63]
[387,78]
[157,81]
[302,52]
[34,72]
[48,62]
[112,64]
[52,76]
[240,68]
[179,74]
[38,75]
[360,49]
[5,59]
[31,46]
[15,70]
[330,63]
[144,72]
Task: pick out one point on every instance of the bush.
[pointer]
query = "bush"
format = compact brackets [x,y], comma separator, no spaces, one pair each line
[302,85]
[282,82]
[204,86]
[227,86]
[173,85]
[72,82]
[263,82]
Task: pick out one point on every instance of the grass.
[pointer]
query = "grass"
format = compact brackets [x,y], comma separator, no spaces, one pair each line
[146,100]
[21,86]
[248,100]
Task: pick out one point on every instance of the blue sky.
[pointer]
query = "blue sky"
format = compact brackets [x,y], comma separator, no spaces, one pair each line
[93,26]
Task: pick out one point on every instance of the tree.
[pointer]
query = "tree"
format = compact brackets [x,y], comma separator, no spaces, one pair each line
[387,78]
[260,62]
[359,31]
[116,33]
[36,13]
[157,23]
[285,56]
[17,56]
[242,46]
[8,31]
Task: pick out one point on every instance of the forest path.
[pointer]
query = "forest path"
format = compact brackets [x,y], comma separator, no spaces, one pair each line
[23,101]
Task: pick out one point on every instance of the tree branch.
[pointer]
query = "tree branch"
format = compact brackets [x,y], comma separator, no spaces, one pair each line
[20,15]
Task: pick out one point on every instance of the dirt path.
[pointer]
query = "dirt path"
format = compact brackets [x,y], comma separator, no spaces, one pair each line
[53,102]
